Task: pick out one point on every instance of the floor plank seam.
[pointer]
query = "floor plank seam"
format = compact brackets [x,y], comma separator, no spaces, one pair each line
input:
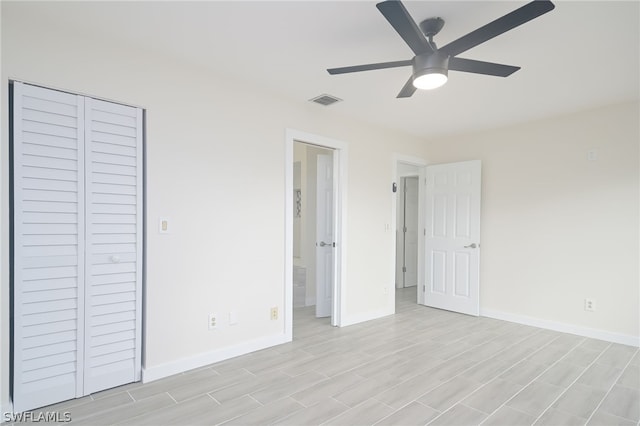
[170,396]
[251,396]
[212,397]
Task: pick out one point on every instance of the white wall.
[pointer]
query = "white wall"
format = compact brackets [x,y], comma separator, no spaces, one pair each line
[556,227]
[226,249]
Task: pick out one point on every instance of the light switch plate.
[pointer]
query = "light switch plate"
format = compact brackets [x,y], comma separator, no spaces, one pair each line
[164,225]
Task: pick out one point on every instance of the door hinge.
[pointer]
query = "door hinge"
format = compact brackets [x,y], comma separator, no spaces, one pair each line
[424,288]
[424,232]
[404,269]
[404,229]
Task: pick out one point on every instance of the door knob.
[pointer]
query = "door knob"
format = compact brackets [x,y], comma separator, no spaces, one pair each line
[323,244]
[472,245]
[115,259]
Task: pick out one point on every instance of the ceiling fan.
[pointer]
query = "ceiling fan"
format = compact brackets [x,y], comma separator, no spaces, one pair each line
[430,63]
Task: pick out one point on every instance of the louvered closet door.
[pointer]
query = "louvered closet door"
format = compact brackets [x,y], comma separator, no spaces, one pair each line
[113,244]
[77,285]
[48,153]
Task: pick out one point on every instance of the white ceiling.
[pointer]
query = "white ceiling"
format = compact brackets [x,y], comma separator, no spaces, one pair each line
[578,56]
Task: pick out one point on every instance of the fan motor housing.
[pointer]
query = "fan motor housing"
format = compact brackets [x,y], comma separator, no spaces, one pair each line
[430,62]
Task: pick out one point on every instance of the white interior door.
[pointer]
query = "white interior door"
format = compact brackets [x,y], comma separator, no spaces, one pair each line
[452,236]
[324,236]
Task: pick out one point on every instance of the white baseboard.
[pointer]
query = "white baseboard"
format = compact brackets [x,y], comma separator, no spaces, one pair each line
[368,316]
[150,374]
[593,333]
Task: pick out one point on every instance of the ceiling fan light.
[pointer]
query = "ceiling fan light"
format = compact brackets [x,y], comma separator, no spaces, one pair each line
[430,80]
[430,70]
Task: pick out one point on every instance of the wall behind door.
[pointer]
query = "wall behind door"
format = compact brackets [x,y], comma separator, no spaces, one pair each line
[558,227]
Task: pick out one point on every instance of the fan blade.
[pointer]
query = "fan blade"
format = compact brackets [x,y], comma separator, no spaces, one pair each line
[407,90]
[401,21]
[501,25]
[480,67]
[369,67]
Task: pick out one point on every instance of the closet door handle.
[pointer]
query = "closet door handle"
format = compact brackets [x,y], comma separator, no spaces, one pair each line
[115,259]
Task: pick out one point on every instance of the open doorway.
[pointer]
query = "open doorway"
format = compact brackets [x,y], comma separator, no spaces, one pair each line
[406,207]
[448,252]
[314,236]
[407,232]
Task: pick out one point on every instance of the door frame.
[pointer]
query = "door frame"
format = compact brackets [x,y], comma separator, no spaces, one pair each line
[417,162]
[340,161]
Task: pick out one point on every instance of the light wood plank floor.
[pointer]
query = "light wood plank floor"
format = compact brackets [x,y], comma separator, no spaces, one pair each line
[420,366]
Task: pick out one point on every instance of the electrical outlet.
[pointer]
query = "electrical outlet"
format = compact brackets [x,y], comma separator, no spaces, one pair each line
[589,305]
[213,322]
[274,313]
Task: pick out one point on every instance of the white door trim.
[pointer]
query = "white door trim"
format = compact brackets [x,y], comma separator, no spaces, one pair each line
[398,159]
[340,161]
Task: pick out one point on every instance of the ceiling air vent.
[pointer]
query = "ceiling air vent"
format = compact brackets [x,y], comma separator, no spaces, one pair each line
[325,100]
